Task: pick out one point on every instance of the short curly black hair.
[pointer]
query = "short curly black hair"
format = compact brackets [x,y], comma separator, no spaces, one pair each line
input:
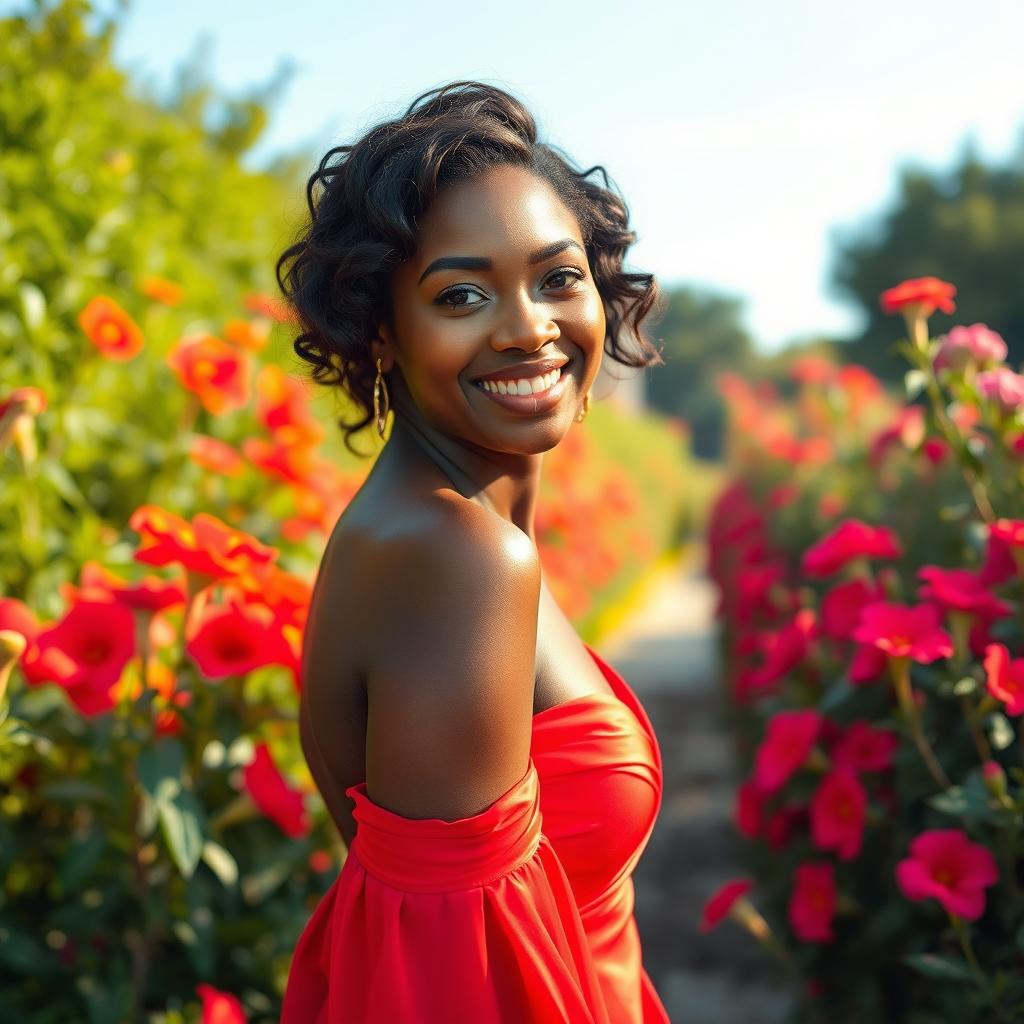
[363,217]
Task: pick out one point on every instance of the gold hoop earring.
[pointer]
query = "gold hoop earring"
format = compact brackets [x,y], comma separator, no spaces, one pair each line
[586,408]
[380,385]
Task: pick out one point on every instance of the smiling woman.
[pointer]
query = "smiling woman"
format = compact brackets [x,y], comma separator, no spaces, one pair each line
[494,779]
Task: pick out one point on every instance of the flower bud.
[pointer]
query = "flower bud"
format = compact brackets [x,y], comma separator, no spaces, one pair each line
[12,646]
[995,779]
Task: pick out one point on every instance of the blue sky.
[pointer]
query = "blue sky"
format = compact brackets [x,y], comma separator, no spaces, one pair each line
[741,133]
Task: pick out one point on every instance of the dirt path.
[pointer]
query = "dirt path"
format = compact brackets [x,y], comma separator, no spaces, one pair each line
[667,652]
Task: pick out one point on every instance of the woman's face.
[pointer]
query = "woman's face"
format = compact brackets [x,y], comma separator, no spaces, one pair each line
[499,277]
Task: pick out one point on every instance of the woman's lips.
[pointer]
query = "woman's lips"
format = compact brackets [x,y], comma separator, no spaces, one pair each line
[532,404]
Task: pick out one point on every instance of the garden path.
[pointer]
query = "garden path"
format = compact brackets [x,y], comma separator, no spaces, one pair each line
[667,651]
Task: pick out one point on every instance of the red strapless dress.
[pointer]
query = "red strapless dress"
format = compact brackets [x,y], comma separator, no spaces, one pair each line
[521,914]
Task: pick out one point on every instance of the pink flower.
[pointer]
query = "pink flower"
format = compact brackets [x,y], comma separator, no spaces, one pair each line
[904,631]
[786,745]
[748,810]
[721,902]
[945,865]
[1005,678]
[837,813]
[1002,386]
[960,590]
[1009,531]
[864,748]
[851,539]
[220,1007]
[812,903]
[841,607]
[784,649]
[975,344]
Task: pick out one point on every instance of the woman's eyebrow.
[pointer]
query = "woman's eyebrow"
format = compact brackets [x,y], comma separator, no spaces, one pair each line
[483,263]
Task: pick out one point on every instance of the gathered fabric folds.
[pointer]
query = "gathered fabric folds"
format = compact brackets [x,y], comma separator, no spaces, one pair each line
[440,922]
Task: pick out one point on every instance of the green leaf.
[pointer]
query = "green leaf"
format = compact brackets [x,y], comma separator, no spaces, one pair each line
[1000,732]
[181,818]
[947,968]
[161,773]
[962,801]
[914,382]
[79,861]
[33,305]
[220,862]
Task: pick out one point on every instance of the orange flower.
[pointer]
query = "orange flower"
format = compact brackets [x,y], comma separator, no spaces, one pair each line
[217,372]
[919,296]
[206,546]
[215,455]
[111,329]
[151,593]
[160,289]
[248,334]
[268,305]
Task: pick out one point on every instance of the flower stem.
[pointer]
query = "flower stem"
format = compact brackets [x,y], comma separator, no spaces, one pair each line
[918,329]
[900,670]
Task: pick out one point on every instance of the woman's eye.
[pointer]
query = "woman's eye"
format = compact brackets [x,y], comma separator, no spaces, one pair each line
[446,297]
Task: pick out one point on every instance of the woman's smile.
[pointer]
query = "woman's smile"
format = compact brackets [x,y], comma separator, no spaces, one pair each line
[532,396]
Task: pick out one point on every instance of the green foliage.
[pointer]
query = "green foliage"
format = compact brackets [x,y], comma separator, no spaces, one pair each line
[702,335]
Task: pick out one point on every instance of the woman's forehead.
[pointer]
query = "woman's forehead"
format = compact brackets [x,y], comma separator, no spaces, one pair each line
[493,214]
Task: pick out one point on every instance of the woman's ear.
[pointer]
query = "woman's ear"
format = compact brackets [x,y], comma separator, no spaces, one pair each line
[383,347]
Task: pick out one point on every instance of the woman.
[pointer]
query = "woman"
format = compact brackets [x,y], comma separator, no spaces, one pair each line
[494,779]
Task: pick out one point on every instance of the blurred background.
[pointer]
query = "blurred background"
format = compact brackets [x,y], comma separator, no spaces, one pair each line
[783,165]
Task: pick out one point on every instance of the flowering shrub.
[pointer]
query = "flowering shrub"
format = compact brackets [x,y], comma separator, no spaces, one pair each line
[165,491]
[870,560]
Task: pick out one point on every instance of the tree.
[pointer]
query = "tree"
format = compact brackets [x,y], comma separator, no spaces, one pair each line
[702,335]
[965,225]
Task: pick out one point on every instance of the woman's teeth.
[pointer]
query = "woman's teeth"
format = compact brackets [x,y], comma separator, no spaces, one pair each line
[533,385]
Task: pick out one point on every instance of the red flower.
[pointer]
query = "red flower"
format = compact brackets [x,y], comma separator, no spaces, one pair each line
[1009,531]
[85,652]
[904,631]
[864,748]
[812,903]
[837,813]
[780,826]
[868,664]
[721,902]
[784,649]
[151,593]
[233,639]
[215,455]
[1005,678]
[748,811]
[945,865]
[787,743]
[206,545]
[215,371]
[849,540]
[919,295]
[841,607]
[220,1007]
[283,406]
[960,590]
[284,805]
[110,329]
[999,565]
